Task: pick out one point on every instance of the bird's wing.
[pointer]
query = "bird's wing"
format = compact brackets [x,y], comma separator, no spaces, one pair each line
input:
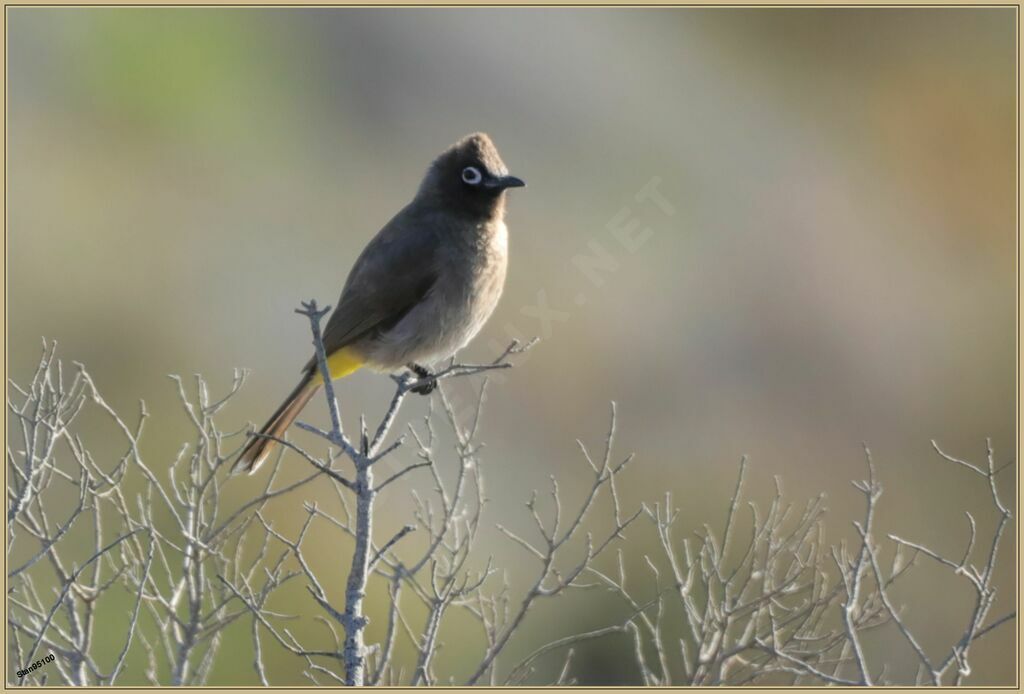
[391,276]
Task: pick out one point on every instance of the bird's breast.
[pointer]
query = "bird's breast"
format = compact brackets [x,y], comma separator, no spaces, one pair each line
[469,291]
[491,265]
[471,272]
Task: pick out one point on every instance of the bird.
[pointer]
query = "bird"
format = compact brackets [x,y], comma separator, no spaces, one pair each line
[423,286]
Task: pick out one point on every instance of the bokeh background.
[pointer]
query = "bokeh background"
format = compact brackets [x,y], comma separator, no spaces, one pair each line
[833,262]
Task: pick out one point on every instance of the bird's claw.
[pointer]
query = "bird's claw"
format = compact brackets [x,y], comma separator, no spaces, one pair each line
[423,374]
[426,388]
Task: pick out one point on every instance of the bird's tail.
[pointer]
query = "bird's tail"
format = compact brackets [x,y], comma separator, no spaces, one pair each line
[260,447]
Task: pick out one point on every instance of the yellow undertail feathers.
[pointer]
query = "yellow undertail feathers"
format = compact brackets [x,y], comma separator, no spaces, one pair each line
[341,363]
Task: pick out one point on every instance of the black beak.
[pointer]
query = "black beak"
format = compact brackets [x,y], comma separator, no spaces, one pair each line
[503,182]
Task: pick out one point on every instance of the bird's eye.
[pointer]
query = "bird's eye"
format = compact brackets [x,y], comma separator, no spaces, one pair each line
[472,175]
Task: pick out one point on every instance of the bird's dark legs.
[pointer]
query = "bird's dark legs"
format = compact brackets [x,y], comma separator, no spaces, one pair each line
[422,373]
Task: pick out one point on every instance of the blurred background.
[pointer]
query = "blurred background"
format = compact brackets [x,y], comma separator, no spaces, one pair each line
[827,260]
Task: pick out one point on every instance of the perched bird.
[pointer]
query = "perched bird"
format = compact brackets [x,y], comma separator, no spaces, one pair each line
[422,288]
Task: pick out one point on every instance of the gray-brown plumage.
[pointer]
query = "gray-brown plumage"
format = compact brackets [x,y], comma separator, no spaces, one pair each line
[424,285]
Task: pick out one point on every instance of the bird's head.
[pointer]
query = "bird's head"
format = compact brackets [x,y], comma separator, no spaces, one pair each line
[469,177]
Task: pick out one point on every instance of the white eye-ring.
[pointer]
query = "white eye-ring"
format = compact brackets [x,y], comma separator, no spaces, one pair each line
[472,175]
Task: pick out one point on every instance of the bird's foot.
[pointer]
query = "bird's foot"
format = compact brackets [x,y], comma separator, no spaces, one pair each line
[424,375]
